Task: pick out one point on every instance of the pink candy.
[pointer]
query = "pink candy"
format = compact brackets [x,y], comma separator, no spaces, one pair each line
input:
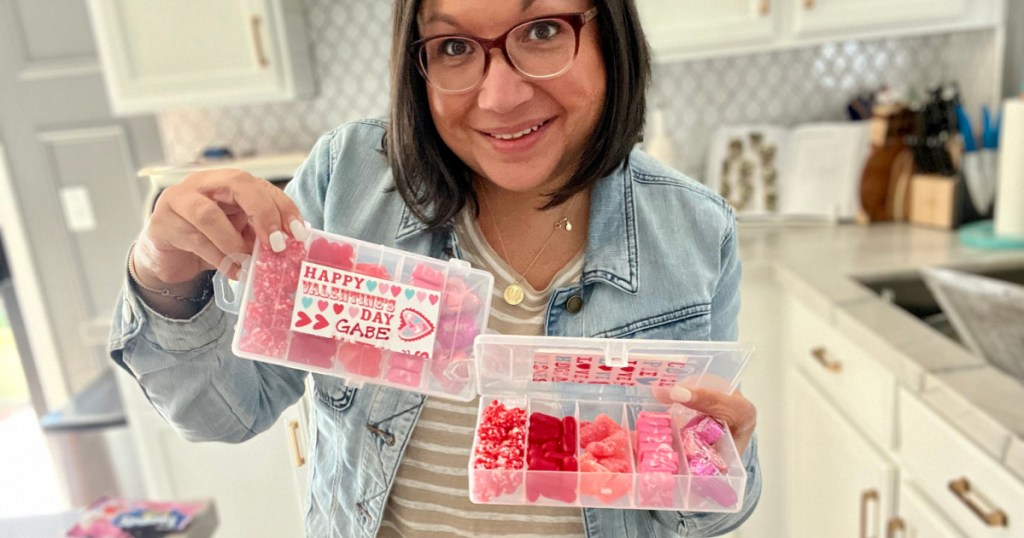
[605,459]
[657,460]
[501,442]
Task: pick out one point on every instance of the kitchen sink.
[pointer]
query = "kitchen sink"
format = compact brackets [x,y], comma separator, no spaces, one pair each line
[984,317]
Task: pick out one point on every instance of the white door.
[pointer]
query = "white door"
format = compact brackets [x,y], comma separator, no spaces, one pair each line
[822,17]
[918,518]
[692,27]
[72,176]
[840,486]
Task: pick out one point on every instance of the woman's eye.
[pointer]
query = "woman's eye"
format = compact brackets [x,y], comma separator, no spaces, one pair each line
[543,30]
[454,47]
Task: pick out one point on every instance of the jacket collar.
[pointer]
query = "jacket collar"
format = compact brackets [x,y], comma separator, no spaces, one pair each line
[611,255]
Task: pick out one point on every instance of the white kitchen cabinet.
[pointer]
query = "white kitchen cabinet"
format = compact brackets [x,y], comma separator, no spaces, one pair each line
[257,488]
[689,29]
[158,53]
[678,27]
[978,495]
[918,518]
[841,486]
[861,388]
[850,17]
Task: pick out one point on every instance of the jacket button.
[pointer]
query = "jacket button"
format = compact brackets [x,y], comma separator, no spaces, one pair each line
[574,304]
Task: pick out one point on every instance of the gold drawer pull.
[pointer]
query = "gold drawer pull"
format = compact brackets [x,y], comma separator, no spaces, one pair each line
[895,525]
[823,357]
[293,440]
[808,4]
[257,39]
[765,7]
[869,495]
[961,487]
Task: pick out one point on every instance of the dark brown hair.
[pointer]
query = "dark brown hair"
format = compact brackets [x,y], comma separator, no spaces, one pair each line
[436,184]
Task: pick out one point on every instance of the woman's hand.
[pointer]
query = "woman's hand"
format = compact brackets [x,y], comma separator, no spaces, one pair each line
[199,222]
[733,410]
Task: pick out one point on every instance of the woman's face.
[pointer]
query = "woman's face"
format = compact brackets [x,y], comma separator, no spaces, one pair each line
[566,108]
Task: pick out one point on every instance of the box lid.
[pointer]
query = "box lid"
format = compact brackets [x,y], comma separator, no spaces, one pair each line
[603,368]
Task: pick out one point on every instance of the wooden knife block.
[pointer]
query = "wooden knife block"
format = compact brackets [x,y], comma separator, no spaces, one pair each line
[933,201]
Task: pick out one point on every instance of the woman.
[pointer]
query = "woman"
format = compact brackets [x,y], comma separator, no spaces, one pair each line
[509,144]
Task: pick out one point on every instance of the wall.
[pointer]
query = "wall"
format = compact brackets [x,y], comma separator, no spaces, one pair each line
[350,42]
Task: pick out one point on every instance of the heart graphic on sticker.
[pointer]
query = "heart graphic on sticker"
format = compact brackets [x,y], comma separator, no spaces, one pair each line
[307,302]
[420,296]
[384,288]
[353,312]
[414,325]
[409,293]
[303,320]
[395,290]
[371,285]
[322,305]
[433,299]
[339,308]
[321,322]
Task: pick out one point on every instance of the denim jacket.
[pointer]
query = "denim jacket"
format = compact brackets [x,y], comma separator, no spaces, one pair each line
[660,263]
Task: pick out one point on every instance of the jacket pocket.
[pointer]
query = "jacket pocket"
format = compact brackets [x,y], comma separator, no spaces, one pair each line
[688,323]
[333,393]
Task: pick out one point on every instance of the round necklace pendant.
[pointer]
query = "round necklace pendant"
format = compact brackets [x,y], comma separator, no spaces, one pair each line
[514,294]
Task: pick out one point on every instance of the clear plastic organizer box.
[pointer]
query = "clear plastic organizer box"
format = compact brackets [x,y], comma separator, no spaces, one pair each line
[605,441]
[347,308]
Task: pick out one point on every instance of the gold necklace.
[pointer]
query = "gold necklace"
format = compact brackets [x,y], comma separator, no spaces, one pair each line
[514,292]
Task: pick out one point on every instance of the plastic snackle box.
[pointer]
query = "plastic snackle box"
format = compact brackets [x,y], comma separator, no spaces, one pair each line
[575,422]
[368,313]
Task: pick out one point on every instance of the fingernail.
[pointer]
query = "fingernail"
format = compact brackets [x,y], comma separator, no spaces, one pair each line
[277,241]
[681,395]
[298,229]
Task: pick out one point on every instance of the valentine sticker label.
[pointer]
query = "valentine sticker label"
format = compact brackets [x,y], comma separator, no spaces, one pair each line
[339,304]
[570,367]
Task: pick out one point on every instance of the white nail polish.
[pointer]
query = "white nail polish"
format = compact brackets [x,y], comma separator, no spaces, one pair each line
[681,395]
[298,230]
[277,241]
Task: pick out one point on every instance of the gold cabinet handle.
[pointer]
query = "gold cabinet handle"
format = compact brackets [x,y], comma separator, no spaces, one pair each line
[257,40]
[765,7]
[895,525]
[824,358]
[293,440]
[869,495]
[809,4]
[961,487]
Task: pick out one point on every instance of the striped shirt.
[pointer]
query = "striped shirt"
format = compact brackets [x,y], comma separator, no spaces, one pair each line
[429,498]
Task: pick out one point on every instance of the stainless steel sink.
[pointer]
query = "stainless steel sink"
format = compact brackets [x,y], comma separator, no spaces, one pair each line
[972,297]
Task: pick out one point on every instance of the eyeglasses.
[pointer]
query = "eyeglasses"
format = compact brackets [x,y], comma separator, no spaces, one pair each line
[541,48]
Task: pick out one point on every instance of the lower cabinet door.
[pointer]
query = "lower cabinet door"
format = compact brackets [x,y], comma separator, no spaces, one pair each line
[840,484]
[918,518]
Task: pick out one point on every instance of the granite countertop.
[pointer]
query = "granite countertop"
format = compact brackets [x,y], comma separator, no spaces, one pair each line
[821,265]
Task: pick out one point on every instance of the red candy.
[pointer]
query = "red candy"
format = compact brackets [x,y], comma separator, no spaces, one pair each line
[374,270]
[551,447]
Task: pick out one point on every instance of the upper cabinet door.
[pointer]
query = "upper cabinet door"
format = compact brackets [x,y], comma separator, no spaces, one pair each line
[163,53]
[824,17]
[690,28]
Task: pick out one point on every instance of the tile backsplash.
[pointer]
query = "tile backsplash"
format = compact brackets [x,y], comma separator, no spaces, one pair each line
[349,40]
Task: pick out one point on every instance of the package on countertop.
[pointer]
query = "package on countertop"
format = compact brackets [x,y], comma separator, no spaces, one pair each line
[364,312]
[125,518]
[574,422]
